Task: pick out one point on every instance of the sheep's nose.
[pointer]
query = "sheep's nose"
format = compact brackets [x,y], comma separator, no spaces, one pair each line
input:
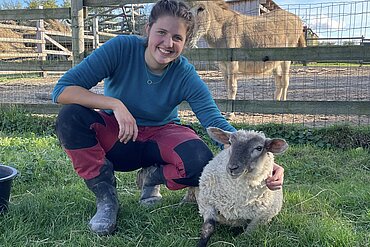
[233,168]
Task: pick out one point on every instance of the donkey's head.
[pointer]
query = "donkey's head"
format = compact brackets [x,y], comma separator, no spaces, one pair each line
[200,10]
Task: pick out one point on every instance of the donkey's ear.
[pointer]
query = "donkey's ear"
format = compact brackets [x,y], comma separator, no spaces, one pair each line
[276,146]
[201,8]
[219,135]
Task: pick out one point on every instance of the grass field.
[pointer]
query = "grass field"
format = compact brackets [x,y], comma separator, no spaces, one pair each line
[327,199]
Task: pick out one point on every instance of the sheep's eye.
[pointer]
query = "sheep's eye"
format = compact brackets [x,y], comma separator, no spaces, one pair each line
[229,142]
[259,148]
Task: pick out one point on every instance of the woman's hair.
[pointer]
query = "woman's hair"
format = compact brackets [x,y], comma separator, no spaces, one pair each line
[173,8]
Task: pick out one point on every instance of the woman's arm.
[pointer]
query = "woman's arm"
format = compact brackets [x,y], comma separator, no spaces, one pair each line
[79,95]
[84,97]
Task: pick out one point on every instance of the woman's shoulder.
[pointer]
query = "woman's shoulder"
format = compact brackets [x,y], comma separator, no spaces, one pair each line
[183,63]
[129,39]
[124,44]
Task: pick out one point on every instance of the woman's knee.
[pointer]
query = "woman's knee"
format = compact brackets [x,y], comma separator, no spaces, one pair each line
[73,124]
[195,155]
[68,114]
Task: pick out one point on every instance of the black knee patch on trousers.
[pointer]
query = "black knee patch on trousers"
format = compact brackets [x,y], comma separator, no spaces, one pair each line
[73,126]
[195,155]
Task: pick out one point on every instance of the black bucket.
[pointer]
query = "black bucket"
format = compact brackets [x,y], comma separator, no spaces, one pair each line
[7,174]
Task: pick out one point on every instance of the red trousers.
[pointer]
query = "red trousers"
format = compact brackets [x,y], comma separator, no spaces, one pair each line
[89,137]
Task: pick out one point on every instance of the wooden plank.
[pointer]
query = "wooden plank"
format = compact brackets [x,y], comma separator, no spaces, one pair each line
[107,34]
[54,52]
[21,55]
[35,14]
[99,3]
[36,66]
[54,42]
[57,33]
[17,27]
[318,53]
[17,40]
[292,107]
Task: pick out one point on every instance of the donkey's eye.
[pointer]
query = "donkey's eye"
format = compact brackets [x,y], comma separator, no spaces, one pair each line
[259,148]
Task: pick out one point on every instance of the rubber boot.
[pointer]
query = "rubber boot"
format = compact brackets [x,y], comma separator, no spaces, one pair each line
[149,180]
[104,188]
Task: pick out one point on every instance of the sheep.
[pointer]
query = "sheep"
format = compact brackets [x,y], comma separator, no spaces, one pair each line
[232,188]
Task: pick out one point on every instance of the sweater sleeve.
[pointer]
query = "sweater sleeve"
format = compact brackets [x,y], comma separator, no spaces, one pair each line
[202,103]
[98,65]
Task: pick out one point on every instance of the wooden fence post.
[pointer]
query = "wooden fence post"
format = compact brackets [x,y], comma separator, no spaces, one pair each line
[77,18]
[95,29]
[40,35]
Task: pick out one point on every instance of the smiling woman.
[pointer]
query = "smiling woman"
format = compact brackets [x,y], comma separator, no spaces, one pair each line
[137,123]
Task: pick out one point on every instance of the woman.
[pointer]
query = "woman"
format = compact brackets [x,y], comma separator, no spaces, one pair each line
[137,124]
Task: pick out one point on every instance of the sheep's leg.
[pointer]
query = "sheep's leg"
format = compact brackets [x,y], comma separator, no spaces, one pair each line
[252,226]
[237,230]
[256,222]
[208,229]
[191,195]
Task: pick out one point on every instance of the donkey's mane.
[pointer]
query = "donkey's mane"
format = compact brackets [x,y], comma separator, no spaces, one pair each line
[222,4]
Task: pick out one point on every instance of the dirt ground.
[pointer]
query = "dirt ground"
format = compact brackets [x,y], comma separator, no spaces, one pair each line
[310,83]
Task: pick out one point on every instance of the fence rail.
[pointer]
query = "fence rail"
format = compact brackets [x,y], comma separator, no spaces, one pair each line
[251,106]
[357,53]
[35,14]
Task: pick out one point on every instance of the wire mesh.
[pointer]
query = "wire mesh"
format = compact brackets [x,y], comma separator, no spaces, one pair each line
[24,43]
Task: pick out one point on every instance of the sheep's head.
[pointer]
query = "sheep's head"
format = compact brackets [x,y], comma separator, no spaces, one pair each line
[247,148]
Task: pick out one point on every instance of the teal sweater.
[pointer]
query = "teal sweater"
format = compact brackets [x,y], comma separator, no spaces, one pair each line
[120,62]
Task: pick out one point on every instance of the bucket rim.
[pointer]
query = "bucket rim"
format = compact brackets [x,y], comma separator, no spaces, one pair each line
[14,172]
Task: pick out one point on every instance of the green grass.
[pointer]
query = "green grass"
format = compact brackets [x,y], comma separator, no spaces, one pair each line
[327,200]
[10,77]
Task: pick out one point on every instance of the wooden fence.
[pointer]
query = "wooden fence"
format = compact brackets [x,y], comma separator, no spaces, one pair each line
[356,53]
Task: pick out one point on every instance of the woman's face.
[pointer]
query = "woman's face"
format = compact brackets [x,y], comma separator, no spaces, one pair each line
[166,40]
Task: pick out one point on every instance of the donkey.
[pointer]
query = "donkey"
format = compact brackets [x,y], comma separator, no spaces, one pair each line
[222,27]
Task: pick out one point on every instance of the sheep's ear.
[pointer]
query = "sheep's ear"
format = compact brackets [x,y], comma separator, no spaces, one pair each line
[276,146]
[219,135]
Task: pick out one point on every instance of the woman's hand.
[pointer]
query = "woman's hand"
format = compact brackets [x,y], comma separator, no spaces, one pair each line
[127,124]
[275,182]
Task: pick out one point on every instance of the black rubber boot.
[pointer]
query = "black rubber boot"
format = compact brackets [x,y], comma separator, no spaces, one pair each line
[104,187]
[149,180]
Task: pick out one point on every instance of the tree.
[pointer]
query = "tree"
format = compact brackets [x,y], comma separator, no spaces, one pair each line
[34,4]
[11,4]
[66,4]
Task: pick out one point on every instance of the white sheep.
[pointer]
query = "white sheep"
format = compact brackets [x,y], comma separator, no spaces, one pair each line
[232,188]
